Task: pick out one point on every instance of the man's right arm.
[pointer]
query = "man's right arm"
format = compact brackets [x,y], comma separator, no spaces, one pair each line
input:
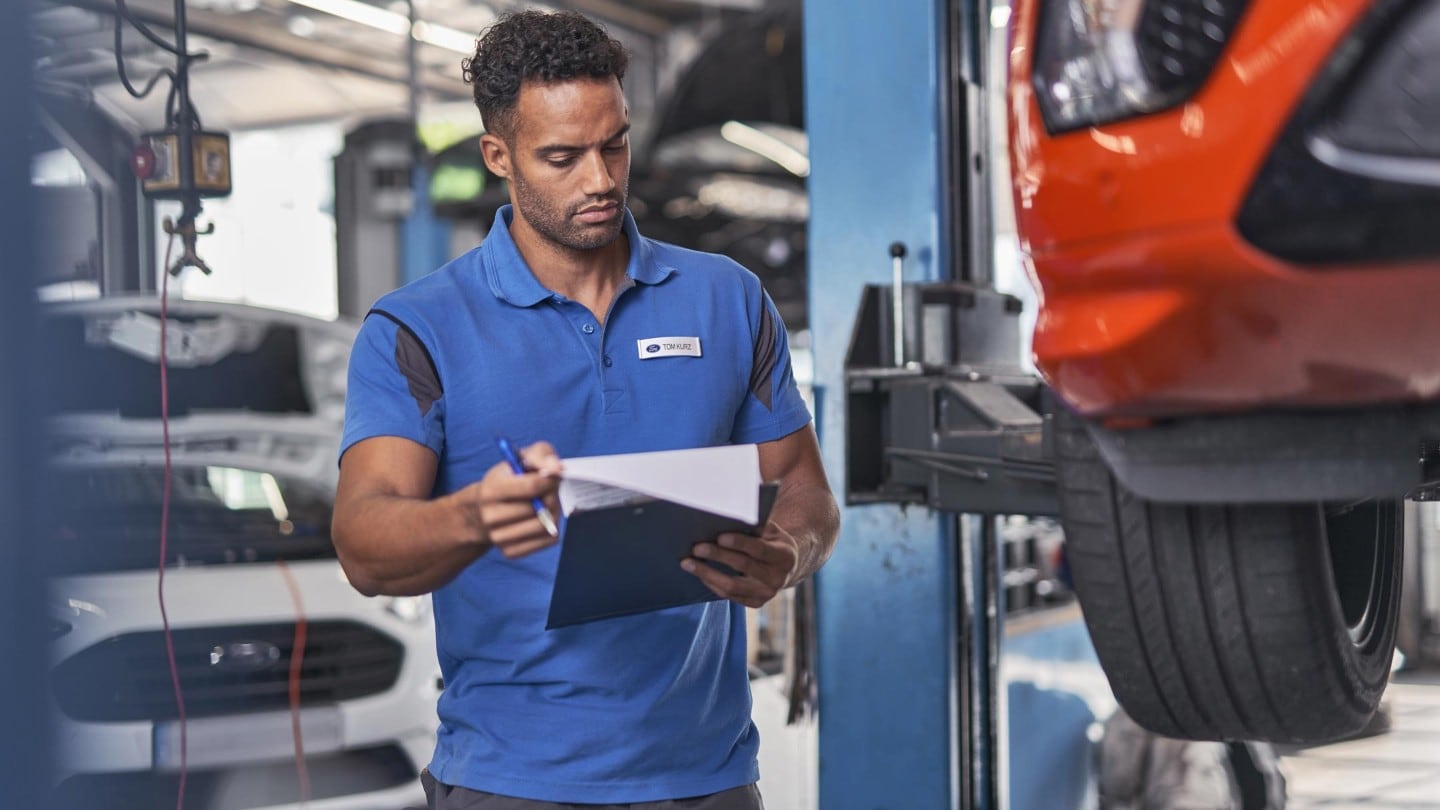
[393,538]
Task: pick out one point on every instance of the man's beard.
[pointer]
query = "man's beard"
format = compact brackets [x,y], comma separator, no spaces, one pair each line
[560,227]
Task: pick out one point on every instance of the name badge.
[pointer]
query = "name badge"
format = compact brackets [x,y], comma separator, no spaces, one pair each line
[650,348]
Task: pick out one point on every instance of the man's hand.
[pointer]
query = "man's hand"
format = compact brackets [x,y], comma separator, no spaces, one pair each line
[765,565]
[779,557]
[501,505]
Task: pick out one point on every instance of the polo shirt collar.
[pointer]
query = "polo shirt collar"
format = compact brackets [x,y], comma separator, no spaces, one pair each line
[512,281]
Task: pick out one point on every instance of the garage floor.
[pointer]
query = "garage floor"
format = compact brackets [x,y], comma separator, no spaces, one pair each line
[1390,771]
[1396,770]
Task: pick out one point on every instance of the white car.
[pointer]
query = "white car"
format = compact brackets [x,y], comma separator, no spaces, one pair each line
[256,400]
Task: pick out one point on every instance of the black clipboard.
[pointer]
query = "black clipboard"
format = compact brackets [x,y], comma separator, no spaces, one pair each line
[622,560]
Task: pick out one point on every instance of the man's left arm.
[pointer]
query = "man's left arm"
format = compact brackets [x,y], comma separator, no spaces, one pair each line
[798,537]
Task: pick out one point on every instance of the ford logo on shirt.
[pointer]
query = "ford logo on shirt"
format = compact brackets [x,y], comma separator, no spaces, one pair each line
[652,348]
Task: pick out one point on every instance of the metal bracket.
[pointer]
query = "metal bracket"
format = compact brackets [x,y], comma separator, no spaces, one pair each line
[960,430]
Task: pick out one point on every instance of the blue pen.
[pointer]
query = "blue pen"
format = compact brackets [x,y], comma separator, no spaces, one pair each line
[513,459]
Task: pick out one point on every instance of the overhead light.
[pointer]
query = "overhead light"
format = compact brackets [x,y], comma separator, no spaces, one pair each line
[451,39]
[448,38]
[301,26]
[227,6]
[767,146]
[742,197]
[362,13]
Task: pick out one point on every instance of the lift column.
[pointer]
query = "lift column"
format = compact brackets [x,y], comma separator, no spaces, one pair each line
[889,726]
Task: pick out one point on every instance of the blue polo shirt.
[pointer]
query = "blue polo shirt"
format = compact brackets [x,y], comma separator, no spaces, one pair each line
[634,709]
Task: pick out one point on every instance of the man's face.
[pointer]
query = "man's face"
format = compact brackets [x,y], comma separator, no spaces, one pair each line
[569,161]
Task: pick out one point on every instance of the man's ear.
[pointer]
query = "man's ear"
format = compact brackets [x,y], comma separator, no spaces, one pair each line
[496,154]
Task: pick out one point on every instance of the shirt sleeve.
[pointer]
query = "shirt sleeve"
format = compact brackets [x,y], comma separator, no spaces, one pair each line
[773,407]
[393,387]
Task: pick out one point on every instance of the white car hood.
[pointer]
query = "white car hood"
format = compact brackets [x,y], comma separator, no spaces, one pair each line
[248,386]
[221,357]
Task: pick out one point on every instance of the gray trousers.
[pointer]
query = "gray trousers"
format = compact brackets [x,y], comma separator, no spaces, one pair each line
[441,796]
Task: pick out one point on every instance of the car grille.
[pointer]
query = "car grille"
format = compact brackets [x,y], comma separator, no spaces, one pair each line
[331,776]
[127,677]
[1179,42]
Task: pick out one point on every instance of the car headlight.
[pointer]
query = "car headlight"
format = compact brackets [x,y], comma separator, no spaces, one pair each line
[412,609]
[1104,60]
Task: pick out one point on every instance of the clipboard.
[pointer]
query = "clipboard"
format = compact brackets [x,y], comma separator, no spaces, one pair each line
[625,559]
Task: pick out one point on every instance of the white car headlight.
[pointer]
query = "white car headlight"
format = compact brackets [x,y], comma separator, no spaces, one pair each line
[1104,60]
[413,609]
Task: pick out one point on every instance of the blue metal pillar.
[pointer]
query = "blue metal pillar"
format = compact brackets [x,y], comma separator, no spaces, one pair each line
[424,237]
[887,599]
[25,747]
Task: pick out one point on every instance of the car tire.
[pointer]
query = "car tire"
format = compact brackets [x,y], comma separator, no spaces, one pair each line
[1228,622]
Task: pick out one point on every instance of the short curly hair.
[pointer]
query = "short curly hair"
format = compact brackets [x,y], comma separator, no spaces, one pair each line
[536,45]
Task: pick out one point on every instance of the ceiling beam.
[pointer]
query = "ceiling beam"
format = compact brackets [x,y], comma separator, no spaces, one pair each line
[281,43]
[622,14]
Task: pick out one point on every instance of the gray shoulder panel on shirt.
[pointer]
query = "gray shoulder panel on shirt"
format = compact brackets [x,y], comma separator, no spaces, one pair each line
[765,359]
[414,361]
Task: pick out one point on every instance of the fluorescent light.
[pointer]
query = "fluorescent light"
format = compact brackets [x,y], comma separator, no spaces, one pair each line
[451,39]
[362,13]
[448,38]
[767,146]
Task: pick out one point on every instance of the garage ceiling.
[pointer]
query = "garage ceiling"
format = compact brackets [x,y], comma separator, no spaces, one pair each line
[286,61]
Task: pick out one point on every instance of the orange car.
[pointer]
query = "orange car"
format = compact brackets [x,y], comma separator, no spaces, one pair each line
[1232,212]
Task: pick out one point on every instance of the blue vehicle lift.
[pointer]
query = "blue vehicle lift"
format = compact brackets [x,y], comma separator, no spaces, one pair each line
[911,711]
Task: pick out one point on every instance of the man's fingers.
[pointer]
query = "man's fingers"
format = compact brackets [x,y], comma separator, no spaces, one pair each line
[748,591]
[756,547]
[722,585]
[542,458]
[742,563]
[772,554]
[514,549]
[512,487]
[520,532]
[497,515]
[763,567]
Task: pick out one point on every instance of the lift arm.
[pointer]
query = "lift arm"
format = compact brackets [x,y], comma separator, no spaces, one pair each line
[961,427]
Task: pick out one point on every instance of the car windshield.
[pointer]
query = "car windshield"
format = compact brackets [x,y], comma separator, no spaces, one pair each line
[218,516]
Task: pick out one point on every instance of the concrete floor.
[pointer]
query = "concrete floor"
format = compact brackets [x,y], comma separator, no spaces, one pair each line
[789,755]
[1397,769]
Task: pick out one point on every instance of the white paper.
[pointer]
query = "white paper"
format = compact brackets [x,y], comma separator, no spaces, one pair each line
[585,495]
[721,480]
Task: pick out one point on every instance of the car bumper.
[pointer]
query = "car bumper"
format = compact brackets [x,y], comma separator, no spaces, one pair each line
[363,752]
[1204,260]
[1227,327]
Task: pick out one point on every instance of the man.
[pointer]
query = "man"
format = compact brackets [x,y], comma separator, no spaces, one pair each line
[535,335]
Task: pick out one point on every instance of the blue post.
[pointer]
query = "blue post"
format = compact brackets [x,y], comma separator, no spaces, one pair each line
[888,597]
[424,237]
[26,747]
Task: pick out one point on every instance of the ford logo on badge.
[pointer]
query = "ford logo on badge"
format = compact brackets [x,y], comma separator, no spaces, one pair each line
[652,348]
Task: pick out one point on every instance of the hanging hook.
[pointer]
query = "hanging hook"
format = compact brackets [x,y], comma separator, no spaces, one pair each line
[187,232]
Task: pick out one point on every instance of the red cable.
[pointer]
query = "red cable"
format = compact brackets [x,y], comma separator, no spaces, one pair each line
[165,522]
[297,655]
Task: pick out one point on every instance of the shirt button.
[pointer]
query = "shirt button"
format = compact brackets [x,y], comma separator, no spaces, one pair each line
[588,329]
[608,361]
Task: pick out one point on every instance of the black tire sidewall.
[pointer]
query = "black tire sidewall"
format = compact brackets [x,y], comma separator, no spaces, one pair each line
[1261,599]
